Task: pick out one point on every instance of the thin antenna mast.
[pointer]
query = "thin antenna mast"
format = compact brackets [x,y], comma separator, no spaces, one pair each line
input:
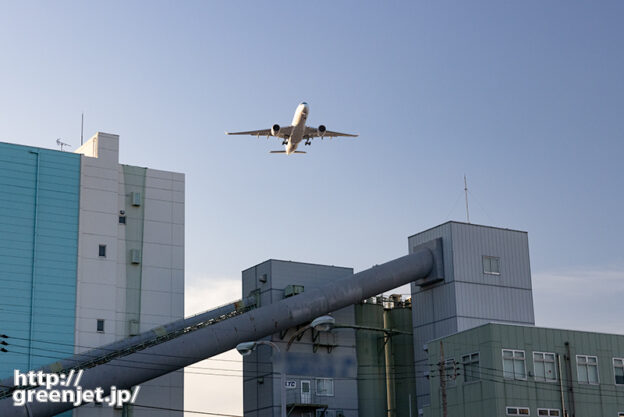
[466,191]
[61,144]
[81,128]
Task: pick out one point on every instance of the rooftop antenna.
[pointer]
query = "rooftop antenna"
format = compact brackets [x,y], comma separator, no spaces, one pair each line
[81,128]
[466,191]
[61,144]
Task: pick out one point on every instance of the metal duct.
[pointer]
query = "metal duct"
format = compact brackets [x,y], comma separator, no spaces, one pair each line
[152,362]
[106,353]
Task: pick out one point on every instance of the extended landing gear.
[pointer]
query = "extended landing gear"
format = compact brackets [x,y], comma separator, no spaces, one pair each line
[308,143]
[285,142]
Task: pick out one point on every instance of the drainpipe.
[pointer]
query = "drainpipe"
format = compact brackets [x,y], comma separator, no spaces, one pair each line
[34,261]
[561,386]
[570,380]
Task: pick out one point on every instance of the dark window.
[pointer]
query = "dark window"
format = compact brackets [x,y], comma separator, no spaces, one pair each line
[491,265]
[472,370]
[102,250]
[618,370]
[122,219]
[100,325]
[450,371]
[518,411]
[550,412]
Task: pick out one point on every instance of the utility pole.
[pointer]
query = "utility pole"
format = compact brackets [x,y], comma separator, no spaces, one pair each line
[443,380]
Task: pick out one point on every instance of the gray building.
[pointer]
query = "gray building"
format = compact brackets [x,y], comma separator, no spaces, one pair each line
[507,370]
[360,368]
[486,278]
[320,367]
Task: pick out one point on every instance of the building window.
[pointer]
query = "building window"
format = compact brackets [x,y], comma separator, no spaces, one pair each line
[513,364]
[491,265]
[518,411]
[325,387]
[100,325]
[450,371]
[544,367]
[618,370]
[122,219]
[587,369]
[472,370]
[548,412]
[102,251]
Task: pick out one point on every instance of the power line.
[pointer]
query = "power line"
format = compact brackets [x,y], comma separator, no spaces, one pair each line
[186,411]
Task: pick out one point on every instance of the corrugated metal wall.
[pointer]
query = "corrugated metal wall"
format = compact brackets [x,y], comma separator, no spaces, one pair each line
[39,201]
[372,400]
[304,361]
[468,297]
[492,392]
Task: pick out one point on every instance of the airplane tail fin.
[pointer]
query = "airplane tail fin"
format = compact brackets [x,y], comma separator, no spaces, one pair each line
[285,152]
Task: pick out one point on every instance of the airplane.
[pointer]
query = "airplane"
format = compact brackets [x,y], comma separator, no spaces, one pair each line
[294,134]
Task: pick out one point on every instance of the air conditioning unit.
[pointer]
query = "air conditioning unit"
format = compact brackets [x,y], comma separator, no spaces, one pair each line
[133,327]
[135,198]
[135,256]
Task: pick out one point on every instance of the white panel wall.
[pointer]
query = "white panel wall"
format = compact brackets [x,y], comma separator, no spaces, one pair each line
[102,281]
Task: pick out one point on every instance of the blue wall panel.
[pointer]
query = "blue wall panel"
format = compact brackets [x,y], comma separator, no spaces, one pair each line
[39,207]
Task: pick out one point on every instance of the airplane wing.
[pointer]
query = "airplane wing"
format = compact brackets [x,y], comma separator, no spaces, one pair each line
[283,132]
[312,132]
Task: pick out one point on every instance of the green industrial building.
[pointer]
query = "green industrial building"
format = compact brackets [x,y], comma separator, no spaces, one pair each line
[511,370]
[385,357]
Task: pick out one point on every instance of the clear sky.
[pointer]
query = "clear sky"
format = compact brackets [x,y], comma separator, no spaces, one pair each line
[525,98]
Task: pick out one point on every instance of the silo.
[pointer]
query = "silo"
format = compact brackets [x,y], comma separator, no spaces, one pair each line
[402,378]
[371,360]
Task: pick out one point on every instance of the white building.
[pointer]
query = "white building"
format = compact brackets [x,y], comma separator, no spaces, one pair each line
[130,260]
[91,251]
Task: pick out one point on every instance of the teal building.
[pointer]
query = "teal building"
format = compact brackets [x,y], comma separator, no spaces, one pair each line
[39,207]
[512,370]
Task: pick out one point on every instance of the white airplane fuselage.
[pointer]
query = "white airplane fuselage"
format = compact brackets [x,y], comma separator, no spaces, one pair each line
[298,127]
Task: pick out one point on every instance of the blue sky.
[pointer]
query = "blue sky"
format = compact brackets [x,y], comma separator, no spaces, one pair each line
[525,98]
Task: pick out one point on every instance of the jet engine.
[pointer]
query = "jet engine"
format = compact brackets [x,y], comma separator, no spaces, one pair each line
[321,129]
[275,130]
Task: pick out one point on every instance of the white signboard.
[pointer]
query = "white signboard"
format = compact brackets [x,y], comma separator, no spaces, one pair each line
[290,384]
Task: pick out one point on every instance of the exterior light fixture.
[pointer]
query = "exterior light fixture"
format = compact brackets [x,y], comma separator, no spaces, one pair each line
[323,323]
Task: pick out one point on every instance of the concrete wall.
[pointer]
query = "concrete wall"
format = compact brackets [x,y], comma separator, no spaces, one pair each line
[468,297]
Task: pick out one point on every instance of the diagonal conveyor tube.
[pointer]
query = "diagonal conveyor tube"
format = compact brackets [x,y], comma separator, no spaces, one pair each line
[191,347]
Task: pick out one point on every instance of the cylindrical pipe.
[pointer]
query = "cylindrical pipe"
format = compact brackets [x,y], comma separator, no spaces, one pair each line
[192,347]
[117,348]
[563,408]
